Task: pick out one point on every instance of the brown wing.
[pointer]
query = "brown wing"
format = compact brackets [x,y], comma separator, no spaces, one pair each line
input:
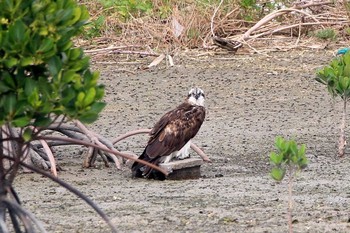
[174,130]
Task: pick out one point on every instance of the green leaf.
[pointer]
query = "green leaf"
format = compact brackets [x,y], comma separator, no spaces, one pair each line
[97,107]
[81,97]
[4,87]
[100,92]
[30,86]
[46,45]
[64,45]
[80,64]
[347,70]
[11,62]
[88,117]
[38,6]
[302,163]
[21,121]
[34,100]
[346,58]
[90,97]
[302,150]
[26,61]
[276,158]
[9,103]
[279,142]
[76,16]
[68,96]
[75,54]
[63,16]
[55,65]
[27,134]
[8,80]
[21,107]
[17,31]
[69,75]
[277,173]
[42,121]
[79,103]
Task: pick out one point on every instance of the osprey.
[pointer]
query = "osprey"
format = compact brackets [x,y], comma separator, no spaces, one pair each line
[171,135]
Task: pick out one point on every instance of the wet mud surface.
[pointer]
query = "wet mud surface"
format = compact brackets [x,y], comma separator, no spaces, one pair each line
[250,100]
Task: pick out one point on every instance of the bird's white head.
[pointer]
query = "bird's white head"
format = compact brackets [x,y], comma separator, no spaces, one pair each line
[196,96]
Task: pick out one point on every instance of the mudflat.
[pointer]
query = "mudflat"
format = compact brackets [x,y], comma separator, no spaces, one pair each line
[250,99]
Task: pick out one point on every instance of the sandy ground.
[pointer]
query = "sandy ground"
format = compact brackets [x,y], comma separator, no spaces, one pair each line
[250,100]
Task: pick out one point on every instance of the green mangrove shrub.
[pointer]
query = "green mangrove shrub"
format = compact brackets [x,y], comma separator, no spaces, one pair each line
[44,79]
[42,74]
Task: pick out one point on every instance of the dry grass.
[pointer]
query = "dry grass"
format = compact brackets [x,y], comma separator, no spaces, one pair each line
[154,30]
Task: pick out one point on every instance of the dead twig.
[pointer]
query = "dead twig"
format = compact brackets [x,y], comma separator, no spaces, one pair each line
[118,50]
[111,48]
[212,19]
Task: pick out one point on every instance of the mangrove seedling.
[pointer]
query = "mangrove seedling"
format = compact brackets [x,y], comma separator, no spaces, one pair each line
[289,159]
[336,77]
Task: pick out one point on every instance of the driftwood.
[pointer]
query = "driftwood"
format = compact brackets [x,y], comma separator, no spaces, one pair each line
[227,44]
[297,8]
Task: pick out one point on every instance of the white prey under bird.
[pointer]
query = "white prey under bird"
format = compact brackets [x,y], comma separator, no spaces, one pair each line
[171,135]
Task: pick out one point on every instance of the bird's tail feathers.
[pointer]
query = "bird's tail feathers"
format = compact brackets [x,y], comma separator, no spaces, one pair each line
[140,170]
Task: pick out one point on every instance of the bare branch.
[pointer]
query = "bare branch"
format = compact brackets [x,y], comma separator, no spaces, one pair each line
[22,213]
[95,140]
[71,189]
[131,133]
[103,148]
[50,156]
[143,131]
[200,153]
